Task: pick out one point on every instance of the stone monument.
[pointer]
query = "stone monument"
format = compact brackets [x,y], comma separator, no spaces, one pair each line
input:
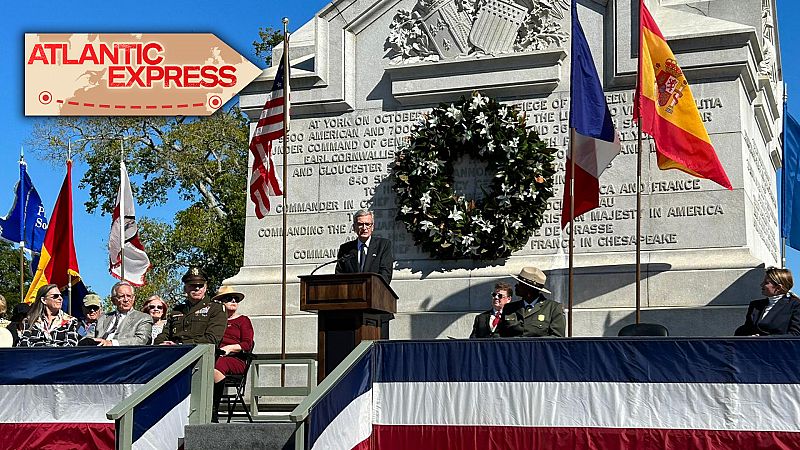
[363,71]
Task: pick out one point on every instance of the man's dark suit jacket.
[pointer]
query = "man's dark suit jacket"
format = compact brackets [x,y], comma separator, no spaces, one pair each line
[545,319]
[481,328]
[379,258]
[783,318]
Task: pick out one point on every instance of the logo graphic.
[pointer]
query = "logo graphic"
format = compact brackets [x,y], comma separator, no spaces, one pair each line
[131,74]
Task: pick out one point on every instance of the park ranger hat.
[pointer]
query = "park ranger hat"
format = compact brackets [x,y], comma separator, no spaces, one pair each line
[533,277]
[194,275]
[228,291]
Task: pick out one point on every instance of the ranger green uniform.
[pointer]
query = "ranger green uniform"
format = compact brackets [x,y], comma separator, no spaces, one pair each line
[202,323]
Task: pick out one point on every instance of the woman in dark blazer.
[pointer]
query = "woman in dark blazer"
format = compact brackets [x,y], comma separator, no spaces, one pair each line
[778,313]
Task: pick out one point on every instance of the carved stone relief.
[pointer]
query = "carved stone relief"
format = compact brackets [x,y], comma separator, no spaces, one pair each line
[437,30]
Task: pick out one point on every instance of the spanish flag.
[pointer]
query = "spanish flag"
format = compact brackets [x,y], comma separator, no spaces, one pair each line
[665,109]
[58,260]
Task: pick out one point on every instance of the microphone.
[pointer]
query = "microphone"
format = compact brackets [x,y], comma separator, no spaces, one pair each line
[343,258]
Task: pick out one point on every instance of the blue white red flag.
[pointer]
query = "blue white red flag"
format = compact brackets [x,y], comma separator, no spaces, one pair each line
[263,178]
[60,397]
[644,394]
[27,220]
[593,140]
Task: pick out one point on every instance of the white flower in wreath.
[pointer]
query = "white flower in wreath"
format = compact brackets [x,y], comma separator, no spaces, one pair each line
[432,120]
[467,239]
[503,113]
[478,101]
[406,209]
[432,166]
[516,225]
[466,136]
[426,202]
[482,120]
[485,226]
[511,147]
[426,225]
[456,214]
[455,113]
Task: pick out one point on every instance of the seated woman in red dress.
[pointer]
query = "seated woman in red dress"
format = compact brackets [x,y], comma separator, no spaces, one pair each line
[238,338]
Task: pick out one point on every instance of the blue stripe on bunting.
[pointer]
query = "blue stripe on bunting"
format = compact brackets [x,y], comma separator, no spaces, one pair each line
[86,365]
[161,402]
[653,360]
[350,387]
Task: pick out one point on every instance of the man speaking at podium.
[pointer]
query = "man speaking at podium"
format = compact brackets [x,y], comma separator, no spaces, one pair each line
[368,253]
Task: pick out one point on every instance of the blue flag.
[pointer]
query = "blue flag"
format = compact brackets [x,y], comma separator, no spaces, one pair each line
[27,220]
[790,217]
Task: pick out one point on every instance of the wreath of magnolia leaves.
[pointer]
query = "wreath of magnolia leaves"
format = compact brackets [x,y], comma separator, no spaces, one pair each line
[448,225]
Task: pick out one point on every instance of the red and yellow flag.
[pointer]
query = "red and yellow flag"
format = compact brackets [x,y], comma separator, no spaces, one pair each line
[58,260]
[665,109]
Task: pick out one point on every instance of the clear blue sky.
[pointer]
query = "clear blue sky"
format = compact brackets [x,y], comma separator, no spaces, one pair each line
[237,24]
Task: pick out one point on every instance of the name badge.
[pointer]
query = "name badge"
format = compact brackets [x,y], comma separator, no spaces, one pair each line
[540,318]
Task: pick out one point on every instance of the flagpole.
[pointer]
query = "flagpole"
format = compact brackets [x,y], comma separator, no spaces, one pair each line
[783,175]
[571,237]
[639,185]
[22,227]
[69,283]
[285,57]
[121,214]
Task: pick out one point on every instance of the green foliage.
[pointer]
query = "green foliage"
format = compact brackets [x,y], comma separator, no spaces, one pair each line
[9,275]
[268,39]
[449,225]
[203,161]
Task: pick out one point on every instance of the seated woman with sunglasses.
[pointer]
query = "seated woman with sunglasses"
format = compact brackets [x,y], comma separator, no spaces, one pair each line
[157,308]
[47,325]
[238,338]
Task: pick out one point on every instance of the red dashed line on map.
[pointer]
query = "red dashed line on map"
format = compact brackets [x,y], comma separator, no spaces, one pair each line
[45,98]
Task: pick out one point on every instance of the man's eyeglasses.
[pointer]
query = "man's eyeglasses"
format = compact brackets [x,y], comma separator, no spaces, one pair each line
[194,286]
[158,307]
[229,300]
[498,295]
[92,308]
[55,296]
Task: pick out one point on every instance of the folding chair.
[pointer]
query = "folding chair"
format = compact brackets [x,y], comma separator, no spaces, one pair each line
[238,383]
[644,329]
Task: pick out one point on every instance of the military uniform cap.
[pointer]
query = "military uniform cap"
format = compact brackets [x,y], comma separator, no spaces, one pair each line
[195,275]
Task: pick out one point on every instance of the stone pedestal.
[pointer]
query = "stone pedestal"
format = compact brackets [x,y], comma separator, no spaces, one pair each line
[358,85]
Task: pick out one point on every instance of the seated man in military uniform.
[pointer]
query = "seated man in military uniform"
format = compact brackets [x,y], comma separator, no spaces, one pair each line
[197,319]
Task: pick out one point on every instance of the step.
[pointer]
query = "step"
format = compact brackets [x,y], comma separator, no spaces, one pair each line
[242,435]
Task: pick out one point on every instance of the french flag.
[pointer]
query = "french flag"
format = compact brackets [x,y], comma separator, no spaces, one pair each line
[59,397]
[593,140]
[563,394]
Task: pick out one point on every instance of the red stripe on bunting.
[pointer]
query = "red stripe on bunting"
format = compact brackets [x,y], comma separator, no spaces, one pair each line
[74,436]
[393,437]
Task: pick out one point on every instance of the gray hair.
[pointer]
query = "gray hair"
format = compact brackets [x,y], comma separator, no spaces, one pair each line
[362,213]
[120,284]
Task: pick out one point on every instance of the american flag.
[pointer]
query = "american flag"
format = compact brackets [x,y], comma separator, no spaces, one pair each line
[263,181]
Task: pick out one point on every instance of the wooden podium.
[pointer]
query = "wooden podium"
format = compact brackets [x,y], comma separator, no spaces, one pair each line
[352,307]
